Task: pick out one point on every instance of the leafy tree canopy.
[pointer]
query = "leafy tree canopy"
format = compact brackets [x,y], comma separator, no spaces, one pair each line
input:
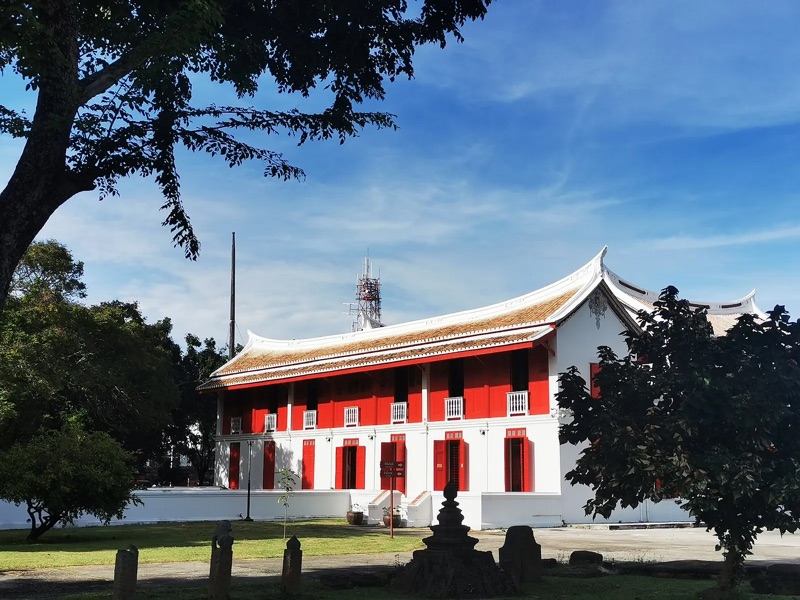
[61,361]
[713,420]
[114,80]
[63,474]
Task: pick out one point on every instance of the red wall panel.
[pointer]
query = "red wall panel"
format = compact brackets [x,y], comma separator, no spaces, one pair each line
[233,467]
[539,389]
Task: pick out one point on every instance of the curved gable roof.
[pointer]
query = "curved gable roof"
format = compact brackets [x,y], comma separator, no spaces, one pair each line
[521,320]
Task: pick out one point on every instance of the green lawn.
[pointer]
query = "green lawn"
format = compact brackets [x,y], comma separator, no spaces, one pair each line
[180,542]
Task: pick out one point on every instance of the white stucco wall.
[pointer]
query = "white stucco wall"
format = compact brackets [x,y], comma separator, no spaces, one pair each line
[576,344]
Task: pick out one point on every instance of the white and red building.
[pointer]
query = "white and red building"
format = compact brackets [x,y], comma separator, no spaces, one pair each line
[468,397]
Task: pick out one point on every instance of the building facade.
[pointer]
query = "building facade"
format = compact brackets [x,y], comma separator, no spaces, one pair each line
[467,397]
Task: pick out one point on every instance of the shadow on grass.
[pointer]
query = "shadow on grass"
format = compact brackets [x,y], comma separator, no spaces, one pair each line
[181,535]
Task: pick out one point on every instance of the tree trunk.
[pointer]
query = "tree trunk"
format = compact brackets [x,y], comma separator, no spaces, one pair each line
[41,181]
[40,524]
[732,570]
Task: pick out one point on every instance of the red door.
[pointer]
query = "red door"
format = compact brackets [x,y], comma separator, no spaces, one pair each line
[269,465]
[307,472]
[233,467]
[518,451]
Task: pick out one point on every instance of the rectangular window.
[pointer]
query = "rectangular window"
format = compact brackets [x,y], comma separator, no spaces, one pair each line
[518,451]
[450,461]
[312,394]
[519,370]
[455,377]
[350,465]
[401,384]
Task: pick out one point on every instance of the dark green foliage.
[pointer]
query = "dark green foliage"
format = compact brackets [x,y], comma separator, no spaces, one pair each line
[195,418]
[102,366]
[114,89]
[63,474]
[713,420]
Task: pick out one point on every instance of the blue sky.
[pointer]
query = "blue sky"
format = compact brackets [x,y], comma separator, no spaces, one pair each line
[669,131]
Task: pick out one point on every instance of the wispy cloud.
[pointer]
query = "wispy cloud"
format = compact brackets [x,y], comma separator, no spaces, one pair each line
[720,241]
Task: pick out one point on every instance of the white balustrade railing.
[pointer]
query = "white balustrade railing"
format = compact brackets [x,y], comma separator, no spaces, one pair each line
[517,403]
[309,419]
[454,407]
[399,412]
[270,422]
[236,424]
[351,416]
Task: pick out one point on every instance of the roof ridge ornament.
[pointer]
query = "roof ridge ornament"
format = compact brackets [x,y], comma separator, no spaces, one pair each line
[598,304]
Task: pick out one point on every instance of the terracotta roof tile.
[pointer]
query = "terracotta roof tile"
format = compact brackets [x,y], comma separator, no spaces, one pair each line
[365,360]
[264,357]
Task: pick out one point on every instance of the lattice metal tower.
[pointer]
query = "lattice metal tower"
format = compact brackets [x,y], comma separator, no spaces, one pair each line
[368,299]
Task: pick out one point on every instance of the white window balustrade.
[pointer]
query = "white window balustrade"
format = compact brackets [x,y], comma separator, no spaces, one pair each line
[309,419]
[399,412]
[270,422]
[351,416]
[517,403]
[454,408]
[236,424]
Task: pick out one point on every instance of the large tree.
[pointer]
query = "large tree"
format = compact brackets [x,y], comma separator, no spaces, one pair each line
[62,361]
[712,420]
[114,79]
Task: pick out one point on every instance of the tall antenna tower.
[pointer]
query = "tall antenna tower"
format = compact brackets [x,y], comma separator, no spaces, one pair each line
[368,299]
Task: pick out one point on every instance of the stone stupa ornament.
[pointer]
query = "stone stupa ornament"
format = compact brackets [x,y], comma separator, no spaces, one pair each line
[450,567]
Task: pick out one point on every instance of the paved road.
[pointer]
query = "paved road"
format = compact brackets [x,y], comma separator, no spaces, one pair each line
[616,545]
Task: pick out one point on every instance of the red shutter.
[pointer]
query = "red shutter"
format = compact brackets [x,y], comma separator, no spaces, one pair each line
[507,462]
[361,461]
[463,468]
[594,389]
[339,468]
[439,464]
[400,456]
[387,454]
[269,466]
[233,467]
[307,472]
[527,465]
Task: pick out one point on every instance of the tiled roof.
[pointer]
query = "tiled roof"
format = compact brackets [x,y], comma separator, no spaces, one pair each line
[264,355]
[361,361]
[521,319]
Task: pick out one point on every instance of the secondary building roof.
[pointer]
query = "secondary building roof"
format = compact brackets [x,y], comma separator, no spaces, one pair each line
[516,323]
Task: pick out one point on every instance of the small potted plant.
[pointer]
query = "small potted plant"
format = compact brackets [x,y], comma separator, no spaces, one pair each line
[355,516]
[395,516]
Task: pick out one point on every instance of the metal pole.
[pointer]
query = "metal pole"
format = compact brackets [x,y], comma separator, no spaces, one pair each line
[232,326]
[249,463]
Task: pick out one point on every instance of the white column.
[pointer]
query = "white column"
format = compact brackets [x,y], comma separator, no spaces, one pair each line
[426,382]
[289,405]
[220,410]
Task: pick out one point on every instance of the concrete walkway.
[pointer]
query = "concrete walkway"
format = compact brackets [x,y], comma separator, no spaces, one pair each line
[624,545]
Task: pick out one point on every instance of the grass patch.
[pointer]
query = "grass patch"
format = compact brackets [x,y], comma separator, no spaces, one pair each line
[184,542]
